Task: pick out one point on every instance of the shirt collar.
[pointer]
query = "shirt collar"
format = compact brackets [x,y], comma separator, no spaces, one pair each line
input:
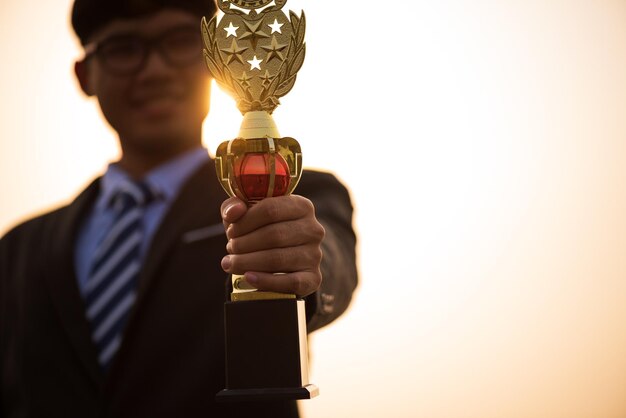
[166,179]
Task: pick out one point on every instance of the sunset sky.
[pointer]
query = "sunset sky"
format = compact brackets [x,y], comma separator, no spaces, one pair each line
[484,144]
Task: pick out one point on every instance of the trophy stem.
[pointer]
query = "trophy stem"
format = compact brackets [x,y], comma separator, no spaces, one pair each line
[258,124]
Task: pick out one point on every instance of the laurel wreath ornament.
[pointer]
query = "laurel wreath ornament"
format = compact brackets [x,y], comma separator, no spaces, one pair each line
[281,83]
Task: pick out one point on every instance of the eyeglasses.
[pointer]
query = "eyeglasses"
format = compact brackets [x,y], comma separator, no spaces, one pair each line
[126,54]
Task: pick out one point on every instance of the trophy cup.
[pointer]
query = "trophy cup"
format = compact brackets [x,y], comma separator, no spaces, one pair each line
[254,53]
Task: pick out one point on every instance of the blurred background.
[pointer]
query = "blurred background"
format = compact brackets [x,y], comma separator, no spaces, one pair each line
[484,144]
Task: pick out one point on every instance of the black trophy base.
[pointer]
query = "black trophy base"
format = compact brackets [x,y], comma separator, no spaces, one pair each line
[266,351]
[270,394]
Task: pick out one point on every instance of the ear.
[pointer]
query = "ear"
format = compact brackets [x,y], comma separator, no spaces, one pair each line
[82,75]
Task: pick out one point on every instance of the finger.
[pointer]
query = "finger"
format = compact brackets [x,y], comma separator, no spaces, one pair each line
[301,283]
[272,210]
[232,210]
[280,260]
[278,235]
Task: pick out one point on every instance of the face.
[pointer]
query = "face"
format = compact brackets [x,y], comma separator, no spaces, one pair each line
[159,108]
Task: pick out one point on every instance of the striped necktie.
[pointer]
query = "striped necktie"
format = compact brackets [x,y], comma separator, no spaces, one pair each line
[111,288]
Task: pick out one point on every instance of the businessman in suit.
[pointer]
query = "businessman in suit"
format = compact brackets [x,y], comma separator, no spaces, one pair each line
[112,306]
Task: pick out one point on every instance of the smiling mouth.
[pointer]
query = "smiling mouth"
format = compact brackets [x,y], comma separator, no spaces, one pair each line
[157,106]
[141,100]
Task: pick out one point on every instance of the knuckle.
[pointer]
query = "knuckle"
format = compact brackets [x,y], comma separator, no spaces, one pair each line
[319,232]
[319,255]
[307,204]
[317,279]
[300,285]
[313,256]
[272,210]
[313,232]
[281,235]
[316,254]
[277,260]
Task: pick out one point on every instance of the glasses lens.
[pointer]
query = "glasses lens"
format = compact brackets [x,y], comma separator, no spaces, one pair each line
[122,55]
[182,46]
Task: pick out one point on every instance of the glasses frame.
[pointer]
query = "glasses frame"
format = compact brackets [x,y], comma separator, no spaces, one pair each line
[149,44]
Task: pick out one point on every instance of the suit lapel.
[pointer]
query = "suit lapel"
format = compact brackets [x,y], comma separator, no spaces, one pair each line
[193,215]
[62,283]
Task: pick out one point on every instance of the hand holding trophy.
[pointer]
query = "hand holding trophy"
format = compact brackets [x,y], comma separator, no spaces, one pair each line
[254,53]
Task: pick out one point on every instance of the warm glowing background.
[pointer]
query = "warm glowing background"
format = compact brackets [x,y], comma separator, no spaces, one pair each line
[484,143]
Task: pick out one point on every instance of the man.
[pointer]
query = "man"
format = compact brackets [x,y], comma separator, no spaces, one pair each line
[113,305]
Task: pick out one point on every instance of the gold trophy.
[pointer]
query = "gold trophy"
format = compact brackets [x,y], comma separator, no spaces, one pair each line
[254,53]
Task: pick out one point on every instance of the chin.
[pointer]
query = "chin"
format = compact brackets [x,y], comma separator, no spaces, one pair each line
[159,140]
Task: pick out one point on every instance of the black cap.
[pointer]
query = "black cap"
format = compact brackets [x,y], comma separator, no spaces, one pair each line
[90,15]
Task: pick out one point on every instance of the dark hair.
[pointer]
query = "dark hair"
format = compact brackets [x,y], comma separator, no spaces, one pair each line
[90,15]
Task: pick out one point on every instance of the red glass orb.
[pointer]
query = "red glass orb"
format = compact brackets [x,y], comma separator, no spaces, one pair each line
[252,174]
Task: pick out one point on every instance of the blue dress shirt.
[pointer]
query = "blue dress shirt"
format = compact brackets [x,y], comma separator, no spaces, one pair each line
[166,180]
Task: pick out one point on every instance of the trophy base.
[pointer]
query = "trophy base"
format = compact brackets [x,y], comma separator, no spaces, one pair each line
[266,351]
[270,394]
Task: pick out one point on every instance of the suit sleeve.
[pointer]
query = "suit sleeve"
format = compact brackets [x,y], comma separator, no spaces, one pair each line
[13,251]
[333,209]
[3,315]
[8,375]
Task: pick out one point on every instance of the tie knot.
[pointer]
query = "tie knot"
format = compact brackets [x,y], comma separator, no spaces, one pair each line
[133,194]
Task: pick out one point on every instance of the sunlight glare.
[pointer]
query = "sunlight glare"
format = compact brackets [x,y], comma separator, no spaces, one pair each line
[223,121]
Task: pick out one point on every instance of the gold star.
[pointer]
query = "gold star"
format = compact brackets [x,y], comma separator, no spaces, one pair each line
[253,33]
[276,26]
[231,30]
[255,63]
[234,52]
[274,50]
[244,80]
[266,80]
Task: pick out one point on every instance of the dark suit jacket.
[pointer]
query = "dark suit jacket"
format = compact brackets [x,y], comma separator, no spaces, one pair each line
[171,361]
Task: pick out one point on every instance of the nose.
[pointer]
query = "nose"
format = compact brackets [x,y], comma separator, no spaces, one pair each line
[154,66]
